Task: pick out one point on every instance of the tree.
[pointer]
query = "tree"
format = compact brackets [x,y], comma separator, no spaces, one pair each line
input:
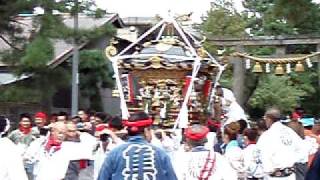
[95,73]
[34,56]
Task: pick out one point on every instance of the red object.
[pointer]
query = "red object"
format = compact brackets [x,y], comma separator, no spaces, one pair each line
[101,127]
[41,115]
[208,167]
[296,115]
[196,135]
[252,142]
[52,143]
[207,88]
[215,124]
[83,164]
[139,123]
[25,130]
[130,86]
[186,85]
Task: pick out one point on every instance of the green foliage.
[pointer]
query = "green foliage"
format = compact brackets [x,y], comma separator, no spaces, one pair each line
[223,20]
[276,91]
[19,93]
[95,71]
[38,54]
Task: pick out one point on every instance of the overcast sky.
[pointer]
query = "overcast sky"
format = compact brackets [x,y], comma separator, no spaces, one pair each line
[141,8]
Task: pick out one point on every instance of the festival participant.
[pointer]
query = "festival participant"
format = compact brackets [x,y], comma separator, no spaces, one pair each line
[31,156]
[52,161]
[199,162]
[107,140]
[116,126]
[62,116]
[80,147]
[24,135]
[301,165]
[233,152]
[280,148]
[251,155]
[137,159]
[297,114]
[40,119]
[53,118]
[310,138]
[11,166]
[83,115]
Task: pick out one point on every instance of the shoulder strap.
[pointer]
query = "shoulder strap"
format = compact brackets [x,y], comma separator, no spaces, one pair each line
[208,167]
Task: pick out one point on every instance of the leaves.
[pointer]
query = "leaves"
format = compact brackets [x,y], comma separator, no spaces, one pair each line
[38,54]
[95,71]
[276,91]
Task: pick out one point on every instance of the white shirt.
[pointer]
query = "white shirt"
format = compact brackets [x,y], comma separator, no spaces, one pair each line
[52,166]
[280,147]
[188,166]
[11,166]
[234,156]
[252,161]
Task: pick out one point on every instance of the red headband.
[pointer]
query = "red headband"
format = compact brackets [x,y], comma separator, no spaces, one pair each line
[41,115]
[139,123]
[196,135]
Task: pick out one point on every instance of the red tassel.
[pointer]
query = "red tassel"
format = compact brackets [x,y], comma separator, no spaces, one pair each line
[83,164]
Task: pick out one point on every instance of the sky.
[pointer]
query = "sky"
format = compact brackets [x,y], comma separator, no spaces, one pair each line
[140,8]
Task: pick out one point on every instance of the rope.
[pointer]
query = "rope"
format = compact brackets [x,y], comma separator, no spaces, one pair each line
[276,60]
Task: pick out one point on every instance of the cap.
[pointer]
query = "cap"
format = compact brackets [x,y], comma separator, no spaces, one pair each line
[196,132]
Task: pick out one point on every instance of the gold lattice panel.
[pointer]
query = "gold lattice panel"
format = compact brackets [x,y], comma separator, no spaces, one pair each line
[155,74]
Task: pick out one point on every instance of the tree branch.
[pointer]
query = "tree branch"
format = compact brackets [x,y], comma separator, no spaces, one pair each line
[9,43]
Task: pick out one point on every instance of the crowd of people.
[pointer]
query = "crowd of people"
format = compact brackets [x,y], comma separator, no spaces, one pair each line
[101,147]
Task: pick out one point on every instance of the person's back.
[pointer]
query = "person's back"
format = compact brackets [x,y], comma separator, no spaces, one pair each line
[137,159]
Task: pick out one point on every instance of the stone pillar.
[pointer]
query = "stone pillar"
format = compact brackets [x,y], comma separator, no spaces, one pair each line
[280,51]
[238,84]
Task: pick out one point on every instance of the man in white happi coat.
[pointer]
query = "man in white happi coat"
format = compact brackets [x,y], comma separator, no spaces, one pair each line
[11,166]
[280,148]
[52,159]
[199,163]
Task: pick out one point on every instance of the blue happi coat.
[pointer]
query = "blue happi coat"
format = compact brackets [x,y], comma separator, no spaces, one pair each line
[137,159]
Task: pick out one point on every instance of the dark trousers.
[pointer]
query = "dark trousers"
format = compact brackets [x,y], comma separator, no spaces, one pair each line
[301,170]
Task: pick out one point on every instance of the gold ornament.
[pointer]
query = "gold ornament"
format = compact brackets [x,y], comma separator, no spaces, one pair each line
[257,68]
[111,51]
[156,62]
[201,52]
[299,67]
[279,70]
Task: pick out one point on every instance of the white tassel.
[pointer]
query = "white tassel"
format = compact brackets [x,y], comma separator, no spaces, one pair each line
[288,68]
[309,64]
[267,68]
[248,65]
